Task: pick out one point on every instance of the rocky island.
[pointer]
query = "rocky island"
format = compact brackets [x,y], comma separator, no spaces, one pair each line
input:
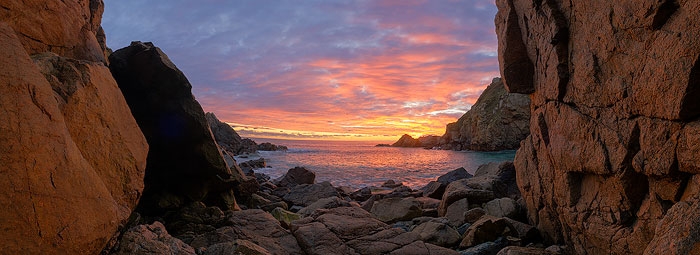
[110,153]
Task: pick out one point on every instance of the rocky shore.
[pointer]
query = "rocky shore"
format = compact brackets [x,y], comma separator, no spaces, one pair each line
[456,214]
[110,153]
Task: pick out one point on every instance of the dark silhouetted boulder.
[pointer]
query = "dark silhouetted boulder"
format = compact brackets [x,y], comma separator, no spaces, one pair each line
[184,162]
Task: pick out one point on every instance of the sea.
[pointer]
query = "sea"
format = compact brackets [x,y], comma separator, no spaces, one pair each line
[358,164]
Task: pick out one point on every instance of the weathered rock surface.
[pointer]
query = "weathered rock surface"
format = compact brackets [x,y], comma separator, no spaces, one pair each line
[252,225]
[486,229]
[502,207]
[296,176]
[497,121]
[72,156]
[306,194]
[457,174]
[235,248]
[72,31]
[612,147]
[434,189]
[151,240]
[436,233]
[184,162]
[396,209]
[226,137]
[490,181]
[351,230]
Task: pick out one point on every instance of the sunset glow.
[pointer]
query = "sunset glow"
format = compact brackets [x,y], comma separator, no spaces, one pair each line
[344,70]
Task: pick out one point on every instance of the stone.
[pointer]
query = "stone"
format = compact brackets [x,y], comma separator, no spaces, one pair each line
[306,194]
[497,121]
[516,250]
[614,116]
[439,234]
[284,217]
[487,248]
[324,203]
[349,222]
[235,248]
[455,212]
[296,176]
[250,165]
[362,194]
[428,203]
[151,239]
[502,207]
[196,218]
[419,247]
[473,215]
[183,159]
[434,189]
[382,242]
[391,184]
[490,181]
[252,225]
[457,174]
[486,229]
[72,32]
[316,238]
[525,232]
[271,147]
[72,155]
[396,209]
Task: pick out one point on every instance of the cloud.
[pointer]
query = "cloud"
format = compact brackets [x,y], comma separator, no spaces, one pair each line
[322,66]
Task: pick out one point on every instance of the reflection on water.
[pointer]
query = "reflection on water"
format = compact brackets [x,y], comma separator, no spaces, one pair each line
[359,164]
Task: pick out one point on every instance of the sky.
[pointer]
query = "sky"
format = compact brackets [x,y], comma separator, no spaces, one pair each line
[322,69]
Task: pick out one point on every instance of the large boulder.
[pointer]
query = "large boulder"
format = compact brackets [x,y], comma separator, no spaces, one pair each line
[151,240]
[457,174]
[307,194]
[613,133]
[490,181]
[487,229]
[396,209]
[296,176]
[351,230]
[252,225]
[72,156]
[437,233]
[184,162]
[497,121]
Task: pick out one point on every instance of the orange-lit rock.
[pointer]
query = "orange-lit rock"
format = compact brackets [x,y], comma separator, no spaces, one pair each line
[497,121]
[68,28]
[615,105]
[71,155]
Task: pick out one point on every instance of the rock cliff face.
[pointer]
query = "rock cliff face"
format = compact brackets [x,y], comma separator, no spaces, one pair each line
[497,121]
[184,161]
[611,161]
[72,158]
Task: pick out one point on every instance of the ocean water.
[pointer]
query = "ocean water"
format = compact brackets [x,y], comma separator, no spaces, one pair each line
[361,164]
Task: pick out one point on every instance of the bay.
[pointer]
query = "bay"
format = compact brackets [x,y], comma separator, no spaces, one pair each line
[359,164]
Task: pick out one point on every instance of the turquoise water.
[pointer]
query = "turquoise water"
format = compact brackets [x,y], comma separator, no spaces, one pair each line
[360,164]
